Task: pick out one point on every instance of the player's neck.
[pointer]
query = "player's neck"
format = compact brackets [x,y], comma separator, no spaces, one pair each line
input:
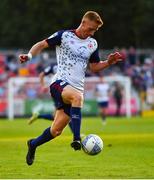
[78,33]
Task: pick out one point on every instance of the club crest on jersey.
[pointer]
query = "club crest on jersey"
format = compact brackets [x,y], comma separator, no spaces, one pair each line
[90,46]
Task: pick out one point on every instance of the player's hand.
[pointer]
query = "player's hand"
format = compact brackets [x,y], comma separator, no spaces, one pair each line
[114,58]
[25,57]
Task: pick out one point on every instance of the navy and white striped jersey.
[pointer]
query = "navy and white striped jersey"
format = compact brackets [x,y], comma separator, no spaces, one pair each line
[73,55]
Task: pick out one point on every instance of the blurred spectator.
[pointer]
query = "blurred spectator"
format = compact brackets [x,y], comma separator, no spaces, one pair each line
[102,98]
[142,57]
[122,64]
[23,71]
[132,56]
[2,91]
[32,70]
[118,95]
[31,92]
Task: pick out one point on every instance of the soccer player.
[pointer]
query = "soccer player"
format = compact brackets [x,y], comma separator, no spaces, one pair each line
[75,49]
[102,97]
[118,95]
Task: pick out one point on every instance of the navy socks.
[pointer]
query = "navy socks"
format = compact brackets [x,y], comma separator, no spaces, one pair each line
[76,122]
[45,137]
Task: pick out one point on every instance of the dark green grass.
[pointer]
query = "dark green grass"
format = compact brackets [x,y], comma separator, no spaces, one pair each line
[128,151]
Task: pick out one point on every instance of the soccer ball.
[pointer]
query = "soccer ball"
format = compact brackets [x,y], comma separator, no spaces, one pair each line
[92,144]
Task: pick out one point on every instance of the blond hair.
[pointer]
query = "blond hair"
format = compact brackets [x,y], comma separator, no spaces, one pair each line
[93,16]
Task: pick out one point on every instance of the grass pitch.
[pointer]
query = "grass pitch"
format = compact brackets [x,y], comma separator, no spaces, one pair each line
[128,151]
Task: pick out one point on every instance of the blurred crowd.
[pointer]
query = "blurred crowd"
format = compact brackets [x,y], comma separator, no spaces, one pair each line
[138,65]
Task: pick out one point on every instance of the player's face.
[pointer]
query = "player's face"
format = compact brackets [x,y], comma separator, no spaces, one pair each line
[89,28]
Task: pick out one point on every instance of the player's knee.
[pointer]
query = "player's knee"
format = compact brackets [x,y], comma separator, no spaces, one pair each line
[78,99]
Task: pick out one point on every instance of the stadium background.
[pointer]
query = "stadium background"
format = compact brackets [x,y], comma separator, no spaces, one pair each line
[128,27]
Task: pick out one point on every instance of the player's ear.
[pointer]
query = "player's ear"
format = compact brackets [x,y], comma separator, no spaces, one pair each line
[83,22]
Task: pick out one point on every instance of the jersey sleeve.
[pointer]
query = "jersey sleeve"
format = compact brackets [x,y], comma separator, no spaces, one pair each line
[94,58]
[55,39]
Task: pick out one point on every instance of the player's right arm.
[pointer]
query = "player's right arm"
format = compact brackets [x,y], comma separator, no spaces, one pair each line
[52,41]
[35,50]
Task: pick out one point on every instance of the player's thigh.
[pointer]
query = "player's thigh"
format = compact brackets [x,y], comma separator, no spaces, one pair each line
[69,93]
[61,119]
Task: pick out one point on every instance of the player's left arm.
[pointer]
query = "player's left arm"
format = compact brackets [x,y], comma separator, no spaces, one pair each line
[95,67]
[96,64]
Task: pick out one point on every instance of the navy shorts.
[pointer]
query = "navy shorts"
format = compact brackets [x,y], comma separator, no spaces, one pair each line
[56,89]
[103,104]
